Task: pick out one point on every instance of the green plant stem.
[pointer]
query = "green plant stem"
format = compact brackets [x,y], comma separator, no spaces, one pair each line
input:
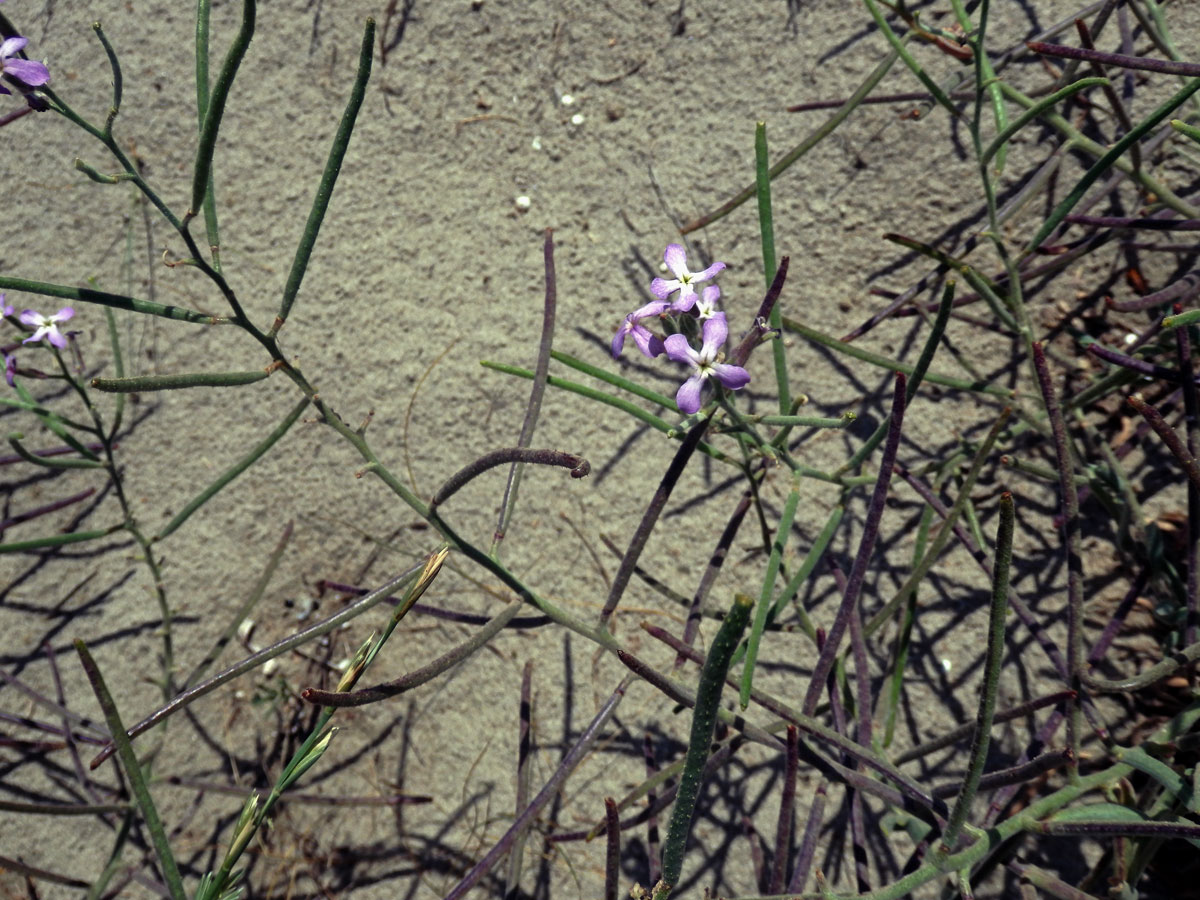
[1040,107]
[214,109]
[574,387]
[537,392]
[884,362]
[944,531]
[203,93]
[118,79]
[299,639]
[133,771]
[113,301]
[852,103]
[333,165]
[252,599]
[768,589]
[898,47]
[766,227]
[977,758]
[704,717]
[1110,158]
[234,471]
[176,382]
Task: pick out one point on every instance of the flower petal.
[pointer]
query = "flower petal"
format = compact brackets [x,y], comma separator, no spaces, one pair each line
[662,288]
[687,398]
[715,332]
[32,318]
[63,314]
[733,377]
[653,308]
[648,342]
[12,45]
[56,337]
[680,350]
[676,260]
[709,272]
[31,72]
[618,341]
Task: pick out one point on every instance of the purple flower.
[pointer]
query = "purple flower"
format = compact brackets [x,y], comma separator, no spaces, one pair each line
[706,306]
[10,368]
[29,71]
[647,341]
[47,326]
[5,310]
[706,363]
[685,281]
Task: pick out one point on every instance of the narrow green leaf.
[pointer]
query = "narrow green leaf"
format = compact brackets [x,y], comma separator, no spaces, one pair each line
[133,771]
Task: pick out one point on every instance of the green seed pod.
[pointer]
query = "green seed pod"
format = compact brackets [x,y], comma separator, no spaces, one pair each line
[704,718]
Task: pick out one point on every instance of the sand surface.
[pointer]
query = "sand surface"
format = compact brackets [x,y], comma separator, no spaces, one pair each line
[617,121]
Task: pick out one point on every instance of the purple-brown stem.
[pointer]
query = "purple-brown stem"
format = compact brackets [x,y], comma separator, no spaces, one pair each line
[650,813]
[577,464]
[45,510]
[1169,438]
[866,550]
[1182,289]
[1140,366]
[787,812]
[1164,66]
[692,626]
[449,615]
[573,757]
[1069,499]
[642,534]
[52,451]
[964,731]
[753,338]
[1118,108]
[653,860]
[536,392]
[60,696]
[909,794]
[1014,775]
[216,787]
[1044,735]
[418,676]
[1117,622]
[612,850]
[808,844]
[1145,223]
[1191,422]
[524,769]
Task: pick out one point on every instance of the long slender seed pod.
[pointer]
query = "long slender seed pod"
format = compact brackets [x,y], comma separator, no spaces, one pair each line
[704,717]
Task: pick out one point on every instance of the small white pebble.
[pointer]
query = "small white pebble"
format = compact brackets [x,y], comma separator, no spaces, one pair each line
[245,629]
[523,202]
[342,664]
[270,666]
[946,664]
[1130,338]
[536,143]
[577,119]
[567,99]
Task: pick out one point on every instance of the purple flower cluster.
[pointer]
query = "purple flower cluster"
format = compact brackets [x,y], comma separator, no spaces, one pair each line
[705,363]
[27,71]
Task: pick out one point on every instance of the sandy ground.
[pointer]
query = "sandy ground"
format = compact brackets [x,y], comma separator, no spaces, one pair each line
[617,120]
